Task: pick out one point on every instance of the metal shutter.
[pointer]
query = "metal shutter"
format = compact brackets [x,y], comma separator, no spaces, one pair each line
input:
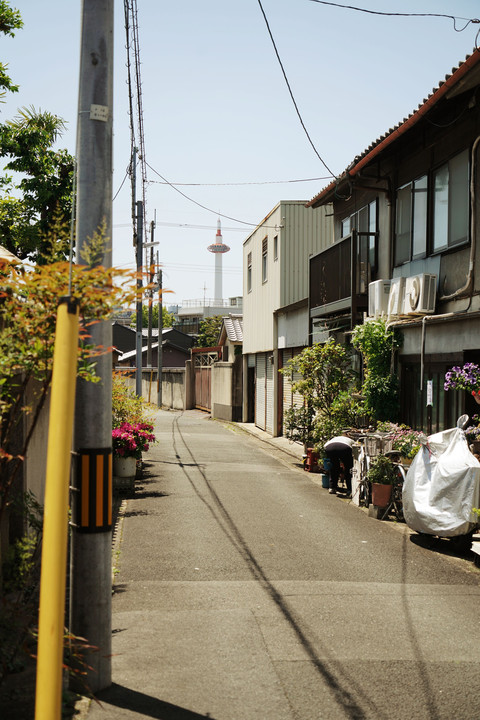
[287,386]
[269,394]
[260,391]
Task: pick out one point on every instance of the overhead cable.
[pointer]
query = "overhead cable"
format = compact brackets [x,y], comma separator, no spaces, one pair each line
[238,184]
[204,207]
[292,96]
[400,14]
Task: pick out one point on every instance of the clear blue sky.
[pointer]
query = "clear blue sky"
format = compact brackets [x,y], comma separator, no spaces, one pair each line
[217,111]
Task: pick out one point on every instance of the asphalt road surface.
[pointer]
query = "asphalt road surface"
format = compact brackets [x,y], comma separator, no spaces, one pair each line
[246,592]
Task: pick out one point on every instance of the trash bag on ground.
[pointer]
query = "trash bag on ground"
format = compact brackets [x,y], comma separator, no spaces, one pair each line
[442,486]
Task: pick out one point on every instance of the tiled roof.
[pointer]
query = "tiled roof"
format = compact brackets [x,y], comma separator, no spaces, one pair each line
[234,327]
[455,78]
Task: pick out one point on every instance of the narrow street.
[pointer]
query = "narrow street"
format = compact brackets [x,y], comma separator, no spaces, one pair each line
[244,591]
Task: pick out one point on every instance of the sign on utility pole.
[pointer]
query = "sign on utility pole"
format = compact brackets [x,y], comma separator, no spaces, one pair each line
[91,547]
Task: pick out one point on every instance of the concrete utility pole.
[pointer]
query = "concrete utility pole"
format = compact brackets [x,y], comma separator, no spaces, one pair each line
[139,336]
[160,336]
[91,554]
[150,294]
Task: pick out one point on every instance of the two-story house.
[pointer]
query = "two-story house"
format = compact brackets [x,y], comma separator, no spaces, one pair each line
[275,305]
[407,220]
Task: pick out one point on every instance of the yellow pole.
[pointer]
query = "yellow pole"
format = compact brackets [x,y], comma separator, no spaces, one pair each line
[55,524]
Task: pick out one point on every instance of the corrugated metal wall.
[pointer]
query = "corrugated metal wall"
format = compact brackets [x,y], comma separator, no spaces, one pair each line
[305,233]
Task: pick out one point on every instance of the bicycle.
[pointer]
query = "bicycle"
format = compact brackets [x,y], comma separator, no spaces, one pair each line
[396,501]
[363,488]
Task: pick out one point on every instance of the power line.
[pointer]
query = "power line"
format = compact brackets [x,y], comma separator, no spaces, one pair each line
[237,184]
[204,207]
[399,14]
[186,226]
[292,96]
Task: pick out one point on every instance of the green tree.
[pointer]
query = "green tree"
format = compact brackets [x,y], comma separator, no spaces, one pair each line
[42,197]
[10,20]
[167,318]
[377,344]
[326,385]
[39,193]
[209,331]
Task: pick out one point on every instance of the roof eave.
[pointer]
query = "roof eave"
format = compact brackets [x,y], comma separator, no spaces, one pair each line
[328,193]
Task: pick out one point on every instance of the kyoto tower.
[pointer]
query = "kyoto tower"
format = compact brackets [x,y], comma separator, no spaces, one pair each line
[218,248]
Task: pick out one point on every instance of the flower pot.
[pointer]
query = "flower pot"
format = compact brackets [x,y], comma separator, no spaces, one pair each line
[475,447]
[124,466]
[311,462]
[381,494]
[124,471]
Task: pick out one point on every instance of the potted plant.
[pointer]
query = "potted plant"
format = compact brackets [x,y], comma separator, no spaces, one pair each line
[128,443]
[405,440]
[466,378]
[472,433]
[381,474]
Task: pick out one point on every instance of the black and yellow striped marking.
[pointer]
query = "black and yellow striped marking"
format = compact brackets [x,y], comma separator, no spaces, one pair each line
[94,485]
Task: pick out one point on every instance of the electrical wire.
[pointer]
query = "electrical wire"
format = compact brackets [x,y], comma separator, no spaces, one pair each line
[137,135]
[121,184]
[399,14]
[131,169]
[292,96]
[204,207]
[238,184]
[186,226]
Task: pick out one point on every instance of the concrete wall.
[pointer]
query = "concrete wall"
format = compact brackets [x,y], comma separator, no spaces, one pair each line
[173,387]
[227,385]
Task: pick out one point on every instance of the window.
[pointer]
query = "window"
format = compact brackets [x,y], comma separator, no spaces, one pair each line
[411,221]
[264,259]
[451,203]
[432,213]
[364,221]
[249,272]
[275,248]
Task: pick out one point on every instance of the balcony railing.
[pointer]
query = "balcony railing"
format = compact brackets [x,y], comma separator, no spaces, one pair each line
[339,276]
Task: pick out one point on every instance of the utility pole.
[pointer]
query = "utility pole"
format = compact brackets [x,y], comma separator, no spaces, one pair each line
[150,296]
[91,546]
[139,341]
[160,336]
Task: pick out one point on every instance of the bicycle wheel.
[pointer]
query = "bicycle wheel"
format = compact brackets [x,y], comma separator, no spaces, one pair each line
[397,492]
[365,493]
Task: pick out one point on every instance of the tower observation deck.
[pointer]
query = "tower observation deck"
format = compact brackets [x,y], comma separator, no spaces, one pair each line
[218,248]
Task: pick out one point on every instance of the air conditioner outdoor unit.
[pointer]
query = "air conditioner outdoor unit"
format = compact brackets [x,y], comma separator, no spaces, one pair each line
[420,293]
[396,296]
[378,298]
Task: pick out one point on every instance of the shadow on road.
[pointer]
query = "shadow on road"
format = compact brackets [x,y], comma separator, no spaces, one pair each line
[123,697]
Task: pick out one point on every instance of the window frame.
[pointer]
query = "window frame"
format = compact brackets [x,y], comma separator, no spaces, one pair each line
[411,190]
[265,260]
[249,272]
[447,183]
[451,189]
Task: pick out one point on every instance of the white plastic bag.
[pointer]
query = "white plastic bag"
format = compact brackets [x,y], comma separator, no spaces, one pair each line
[442,486]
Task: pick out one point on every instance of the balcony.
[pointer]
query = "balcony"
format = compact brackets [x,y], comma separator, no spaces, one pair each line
[339,277]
